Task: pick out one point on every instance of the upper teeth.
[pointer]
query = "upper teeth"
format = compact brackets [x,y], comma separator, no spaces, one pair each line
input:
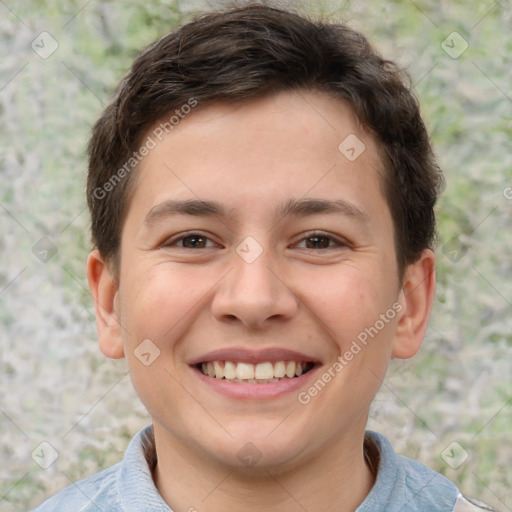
[248,371]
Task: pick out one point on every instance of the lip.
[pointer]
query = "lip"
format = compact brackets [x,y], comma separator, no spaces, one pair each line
[239,390]
[243,355]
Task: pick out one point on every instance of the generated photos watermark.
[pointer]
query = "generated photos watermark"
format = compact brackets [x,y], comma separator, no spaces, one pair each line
[356,347]
[151,142]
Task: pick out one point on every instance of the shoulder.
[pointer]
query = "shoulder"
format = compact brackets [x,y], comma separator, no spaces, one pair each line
[432,487]
[127,486]
[98,491]
[405,484]
[465,504]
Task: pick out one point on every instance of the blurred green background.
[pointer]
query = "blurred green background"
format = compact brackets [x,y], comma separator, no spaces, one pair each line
[56,387]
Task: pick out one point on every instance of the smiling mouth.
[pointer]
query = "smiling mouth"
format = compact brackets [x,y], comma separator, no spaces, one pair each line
[248,373]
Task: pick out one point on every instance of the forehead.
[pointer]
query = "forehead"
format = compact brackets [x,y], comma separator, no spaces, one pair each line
[292,144]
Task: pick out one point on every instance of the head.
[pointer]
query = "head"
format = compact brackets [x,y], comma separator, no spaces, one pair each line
[261,190]
[245,54]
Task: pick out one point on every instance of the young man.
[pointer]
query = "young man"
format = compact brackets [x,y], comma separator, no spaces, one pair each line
[262,192]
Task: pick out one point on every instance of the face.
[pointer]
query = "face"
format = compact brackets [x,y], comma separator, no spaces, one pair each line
[258,294]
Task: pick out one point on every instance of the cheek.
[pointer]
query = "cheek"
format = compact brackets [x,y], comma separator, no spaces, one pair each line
[157,306]
[158,302]
[347,300]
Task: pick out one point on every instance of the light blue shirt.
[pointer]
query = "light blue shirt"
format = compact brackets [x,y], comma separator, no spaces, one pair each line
[402,485]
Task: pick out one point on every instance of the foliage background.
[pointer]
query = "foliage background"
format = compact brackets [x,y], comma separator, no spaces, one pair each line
[56,386]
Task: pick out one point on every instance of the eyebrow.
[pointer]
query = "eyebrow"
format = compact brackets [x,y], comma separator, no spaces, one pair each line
[293,207]
[194,207]
[304,207]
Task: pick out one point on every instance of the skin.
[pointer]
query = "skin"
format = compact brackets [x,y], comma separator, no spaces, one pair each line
[253,158]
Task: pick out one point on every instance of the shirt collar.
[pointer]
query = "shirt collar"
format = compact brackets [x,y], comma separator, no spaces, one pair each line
[136,489]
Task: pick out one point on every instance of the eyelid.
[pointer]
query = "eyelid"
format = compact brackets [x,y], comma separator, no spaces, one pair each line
[339,241]
[172,240]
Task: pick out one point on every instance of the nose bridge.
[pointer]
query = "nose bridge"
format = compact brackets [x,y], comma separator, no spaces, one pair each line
[253,292]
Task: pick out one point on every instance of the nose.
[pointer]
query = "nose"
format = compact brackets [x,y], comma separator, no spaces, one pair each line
[253,294]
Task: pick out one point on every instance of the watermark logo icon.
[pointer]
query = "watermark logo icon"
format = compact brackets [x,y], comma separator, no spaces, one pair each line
[249,455]
[352,147]
[454,455]
[44,250]
[44,45]
[44,455]
[249,250]
[454,250]
[147,352]
[454,45]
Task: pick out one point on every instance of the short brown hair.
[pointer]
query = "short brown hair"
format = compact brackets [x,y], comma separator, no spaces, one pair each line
[247,52]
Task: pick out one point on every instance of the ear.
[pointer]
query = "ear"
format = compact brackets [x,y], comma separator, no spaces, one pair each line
[104,290]
[416,298]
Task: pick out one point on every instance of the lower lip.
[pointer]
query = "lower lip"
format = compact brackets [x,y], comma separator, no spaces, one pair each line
[262,391]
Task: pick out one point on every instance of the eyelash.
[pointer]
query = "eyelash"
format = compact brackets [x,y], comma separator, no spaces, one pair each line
[319,234]
[173,241]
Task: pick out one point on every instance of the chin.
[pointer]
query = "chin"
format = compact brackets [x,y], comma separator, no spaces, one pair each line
[256,448]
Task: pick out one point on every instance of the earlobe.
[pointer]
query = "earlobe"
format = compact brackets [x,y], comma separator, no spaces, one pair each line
[104,290]
[416,297]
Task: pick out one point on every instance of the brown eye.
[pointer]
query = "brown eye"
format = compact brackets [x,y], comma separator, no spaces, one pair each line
[189,241]
[194,242]
[321,241]
[318,242]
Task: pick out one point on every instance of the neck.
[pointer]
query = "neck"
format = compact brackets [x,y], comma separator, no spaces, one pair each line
[337,480]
